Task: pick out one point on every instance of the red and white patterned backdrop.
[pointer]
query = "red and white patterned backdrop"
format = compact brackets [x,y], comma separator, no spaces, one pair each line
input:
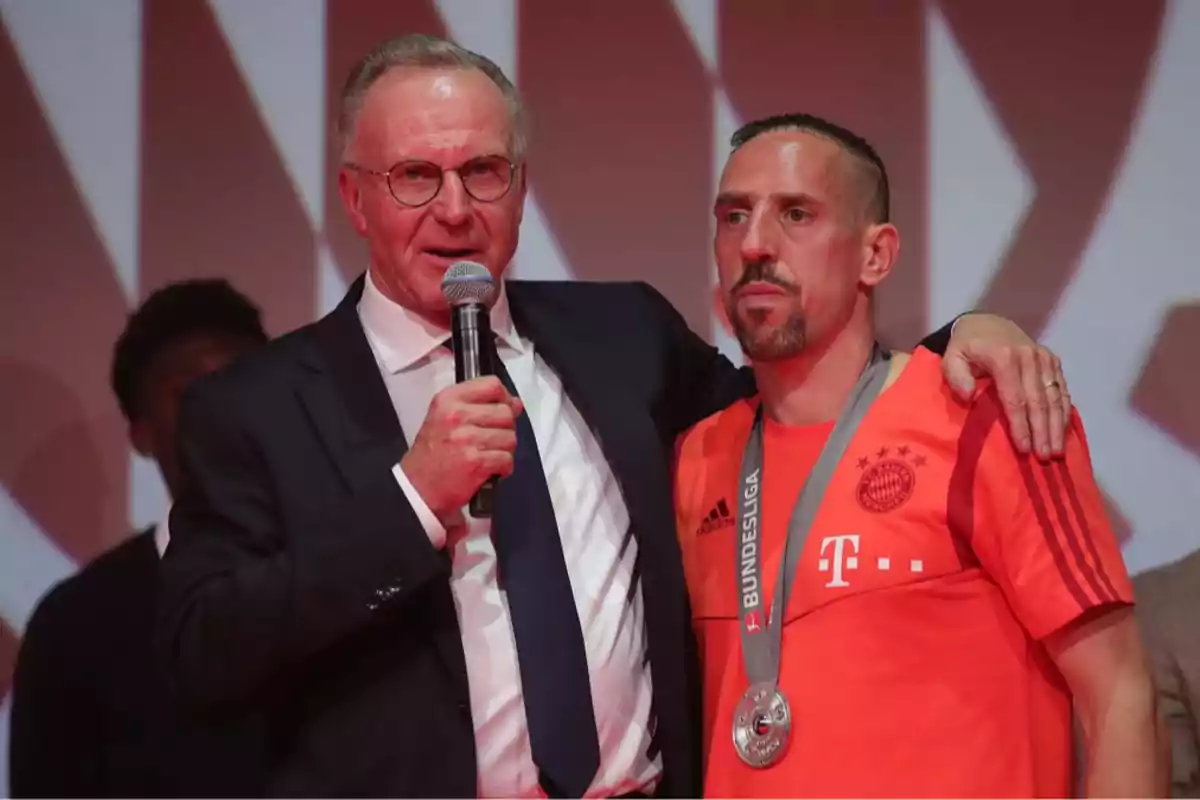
[1042,158]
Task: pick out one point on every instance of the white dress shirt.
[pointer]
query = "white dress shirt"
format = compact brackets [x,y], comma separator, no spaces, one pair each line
[592,522]
[162,535]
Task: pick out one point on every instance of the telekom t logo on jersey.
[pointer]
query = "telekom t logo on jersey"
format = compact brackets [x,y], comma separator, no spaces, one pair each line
[840,559]
[840,554]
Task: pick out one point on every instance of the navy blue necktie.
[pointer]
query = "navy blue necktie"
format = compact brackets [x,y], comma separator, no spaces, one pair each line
[549,637]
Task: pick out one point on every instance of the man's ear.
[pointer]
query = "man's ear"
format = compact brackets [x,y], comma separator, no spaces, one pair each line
[351,194]
[523,176]
[718,300]
[881,247]
[522,186]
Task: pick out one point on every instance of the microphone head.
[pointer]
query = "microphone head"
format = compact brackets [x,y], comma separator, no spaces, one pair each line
[468,282]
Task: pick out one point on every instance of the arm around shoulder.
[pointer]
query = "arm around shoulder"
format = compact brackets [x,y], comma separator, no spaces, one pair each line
[248,594]
[702,381]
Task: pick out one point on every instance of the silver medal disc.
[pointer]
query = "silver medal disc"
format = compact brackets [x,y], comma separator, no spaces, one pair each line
[762,725]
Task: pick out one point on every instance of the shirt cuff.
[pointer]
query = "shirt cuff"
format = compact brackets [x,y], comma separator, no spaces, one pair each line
[434,529]
[958,319]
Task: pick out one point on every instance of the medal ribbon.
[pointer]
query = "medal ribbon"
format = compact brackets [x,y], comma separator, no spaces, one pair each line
[761,643]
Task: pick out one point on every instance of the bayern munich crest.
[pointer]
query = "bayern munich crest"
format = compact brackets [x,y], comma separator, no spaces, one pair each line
[889,477]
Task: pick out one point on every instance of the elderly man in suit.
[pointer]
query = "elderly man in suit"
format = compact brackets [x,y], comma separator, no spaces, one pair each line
[324,570]
[1166,601]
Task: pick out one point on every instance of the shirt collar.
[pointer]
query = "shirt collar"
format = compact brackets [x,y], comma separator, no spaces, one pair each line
[401,338]
[162,536]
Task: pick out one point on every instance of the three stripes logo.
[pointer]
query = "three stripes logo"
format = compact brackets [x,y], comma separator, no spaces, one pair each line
[718,518]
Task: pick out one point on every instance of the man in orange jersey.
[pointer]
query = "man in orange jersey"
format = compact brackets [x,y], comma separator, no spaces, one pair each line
[946,599]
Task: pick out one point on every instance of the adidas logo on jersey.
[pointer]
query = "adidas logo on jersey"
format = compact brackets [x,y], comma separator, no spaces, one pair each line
[718,518]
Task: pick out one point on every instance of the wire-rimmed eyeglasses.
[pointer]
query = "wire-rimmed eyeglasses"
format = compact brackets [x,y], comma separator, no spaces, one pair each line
[414,183]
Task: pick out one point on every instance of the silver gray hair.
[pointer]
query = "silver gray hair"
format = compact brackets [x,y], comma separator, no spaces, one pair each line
[424,51]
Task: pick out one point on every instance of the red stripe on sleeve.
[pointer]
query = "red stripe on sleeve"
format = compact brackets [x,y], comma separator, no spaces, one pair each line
[1056,551]
[1083,568]
[1073,497]
[960,499]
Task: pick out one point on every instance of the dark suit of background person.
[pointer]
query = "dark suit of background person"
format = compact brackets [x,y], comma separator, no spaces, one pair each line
[303,579]
[91,715]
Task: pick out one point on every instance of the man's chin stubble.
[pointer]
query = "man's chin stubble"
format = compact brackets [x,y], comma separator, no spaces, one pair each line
[774,346]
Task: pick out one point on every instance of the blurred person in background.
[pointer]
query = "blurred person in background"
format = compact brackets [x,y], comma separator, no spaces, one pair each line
[91,715]
[1167,600]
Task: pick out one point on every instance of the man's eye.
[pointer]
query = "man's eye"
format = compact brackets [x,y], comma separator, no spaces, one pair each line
[795,215]
[735,217]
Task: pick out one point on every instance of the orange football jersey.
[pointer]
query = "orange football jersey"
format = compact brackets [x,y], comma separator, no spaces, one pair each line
[938,560]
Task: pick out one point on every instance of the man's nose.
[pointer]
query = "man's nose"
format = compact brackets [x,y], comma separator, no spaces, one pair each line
[452,206]
[759,242]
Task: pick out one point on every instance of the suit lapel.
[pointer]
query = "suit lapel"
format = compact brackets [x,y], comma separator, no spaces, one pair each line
[624,430]
[347,400]
[349,406]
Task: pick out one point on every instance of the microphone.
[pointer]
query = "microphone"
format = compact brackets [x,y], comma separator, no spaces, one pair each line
[470,290]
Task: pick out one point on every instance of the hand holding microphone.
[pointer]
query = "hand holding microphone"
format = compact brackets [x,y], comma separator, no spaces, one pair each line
[468,437]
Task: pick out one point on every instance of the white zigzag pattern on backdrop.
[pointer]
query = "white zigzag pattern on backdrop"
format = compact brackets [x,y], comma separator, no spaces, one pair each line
[96,121]
[1138,263]
[99,144]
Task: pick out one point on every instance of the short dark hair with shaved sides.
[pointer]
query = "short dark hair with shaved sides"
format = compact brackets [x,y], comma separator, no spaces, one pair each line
[879,204]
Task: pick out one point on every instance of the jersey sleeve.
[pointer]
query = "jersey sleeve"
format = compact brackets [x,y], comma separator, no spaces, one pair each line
[1040,529]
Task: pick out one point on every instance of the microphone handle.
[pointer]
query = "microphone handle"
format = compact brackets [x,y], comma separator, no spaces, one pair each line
[483,502]
[471,329]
